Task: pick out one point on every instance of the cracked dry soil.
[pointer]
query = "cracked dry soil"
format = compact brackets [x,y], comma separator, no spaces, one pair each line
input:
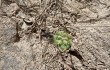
[88,19]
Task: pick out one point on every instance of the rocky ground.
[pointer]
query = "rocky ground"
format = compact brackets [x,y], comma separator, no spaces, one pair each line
[24,47]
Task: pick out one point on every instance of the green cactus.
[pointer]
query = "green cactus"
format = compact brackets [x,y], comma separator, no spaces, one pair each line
[63,40]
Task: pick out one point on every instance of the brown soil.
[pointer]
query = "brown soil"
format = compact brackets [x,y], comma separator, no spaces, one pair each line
[27,28]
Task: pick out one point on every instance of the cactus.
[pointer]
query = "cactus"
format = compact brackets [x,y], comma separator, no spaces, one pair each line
[63,40]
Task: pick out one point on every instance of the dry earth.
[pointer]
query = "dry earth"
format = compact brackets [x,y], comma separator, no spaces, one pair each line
[90,21]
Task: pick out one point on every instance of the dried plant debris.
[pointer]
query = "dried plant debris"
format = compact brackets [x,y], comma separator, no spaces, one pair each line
[17,37]
[54,34]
